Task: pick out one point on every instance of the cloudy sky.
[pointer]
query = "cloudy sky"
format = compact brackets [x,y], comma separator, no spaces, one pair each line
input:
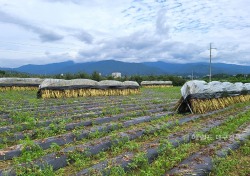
[47,31]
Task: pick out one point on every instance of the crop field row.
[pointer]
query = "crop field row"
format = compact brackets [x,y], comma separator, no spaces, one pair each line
[120,135]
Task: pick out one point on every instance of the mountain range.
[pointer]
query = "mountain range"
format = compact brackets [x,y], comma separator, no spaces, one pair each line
[106,67]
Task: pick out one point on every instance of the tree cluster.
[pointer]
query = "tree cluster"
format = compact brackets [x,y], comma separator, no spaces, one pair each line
[244,78]
[177,80]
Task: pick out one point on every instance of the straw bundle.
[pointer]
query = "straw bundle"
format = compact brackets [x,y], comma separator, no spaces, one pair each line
[202,97]
[19,83]
[152,84]
[57,88]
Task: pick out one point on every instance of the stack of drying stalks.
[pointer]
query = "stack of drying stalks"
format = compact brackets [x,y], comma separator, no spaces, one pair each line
[150,84]
[19,84]
[58,88]
[202,97]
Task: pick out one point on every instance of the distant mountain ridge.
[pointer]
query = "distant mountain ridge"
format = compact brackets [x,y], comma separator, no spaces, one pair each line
[106,67]
[200,68]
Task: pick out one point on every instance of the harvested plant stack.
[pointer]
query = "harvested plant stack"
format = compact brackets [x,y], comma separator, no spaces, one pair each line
[19,83]
[201,97]
[58,88]
[150,84]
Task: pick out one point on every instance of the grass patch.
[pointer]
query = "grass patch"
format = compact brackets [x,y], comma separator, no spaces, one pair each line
[238,163]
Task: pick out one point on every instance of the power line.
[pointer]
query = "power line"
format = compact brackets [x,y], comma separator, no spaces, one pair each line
[33,45]
[33,54]
[27,52]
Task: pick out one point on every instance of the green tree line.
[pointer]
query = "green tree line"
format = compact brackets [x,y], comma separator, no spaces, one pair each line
[244,78]
[177,80]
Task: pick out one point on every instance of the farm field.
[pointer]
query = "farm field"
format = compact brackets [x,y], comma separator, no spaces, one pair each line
[120,135]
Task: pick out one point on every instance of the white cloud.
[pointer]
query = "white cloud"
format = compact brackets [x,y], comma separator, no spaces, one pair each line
[128,30]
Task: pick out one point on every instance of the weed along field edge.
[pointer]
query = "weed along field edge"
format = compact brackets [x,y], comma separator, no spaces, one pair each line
[137,134]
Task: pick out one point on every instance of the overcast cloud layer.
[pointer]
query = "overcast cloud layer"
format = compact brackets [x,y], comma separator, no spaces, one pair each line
[47,31]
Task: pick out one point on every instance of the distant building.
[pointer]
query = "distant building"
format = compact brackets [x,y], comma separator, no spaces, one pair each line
[116,75]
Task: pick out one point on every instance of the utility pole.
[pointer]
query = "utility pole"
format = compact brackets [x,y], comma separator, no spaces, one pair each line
[210,69]
[192,74]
